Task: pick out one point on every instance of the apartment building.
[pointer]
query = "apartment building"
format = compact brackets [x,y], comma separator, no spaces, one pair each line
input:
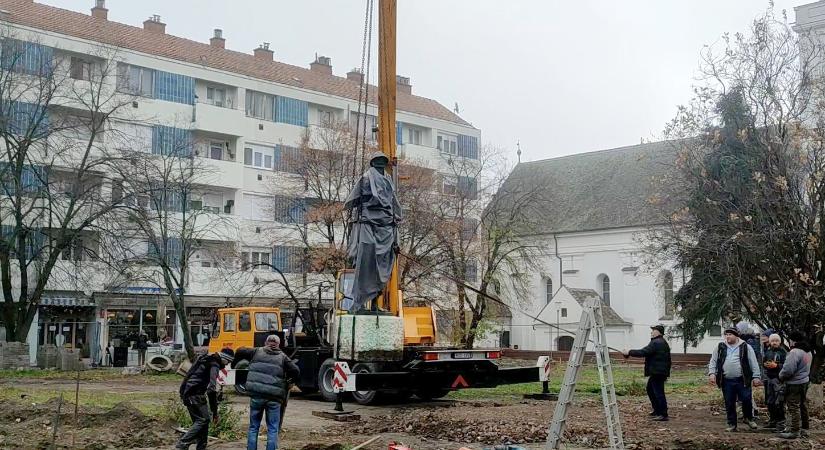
[244,115]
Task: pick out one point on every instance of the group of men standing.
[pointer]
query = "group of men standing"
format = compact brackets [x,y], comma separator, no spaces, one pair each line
[267,384]
[739,363]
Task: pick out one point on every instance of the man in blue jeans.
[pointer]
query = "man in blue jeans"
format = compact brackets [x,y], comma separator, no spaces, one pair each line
[733,368]
[267,386]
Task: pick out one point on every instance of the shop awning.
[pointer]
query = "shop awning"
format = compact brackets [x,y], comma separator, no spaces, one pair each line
[66,300]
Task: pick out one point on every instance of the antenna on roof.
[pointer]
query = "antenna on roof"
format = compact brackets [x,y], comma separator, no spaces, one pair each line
[518,150]
[455,109]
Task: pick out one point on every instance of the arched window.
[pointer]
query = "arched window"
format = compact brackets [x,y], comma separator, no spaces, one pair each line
[548,290]
[667,294]
[604,281]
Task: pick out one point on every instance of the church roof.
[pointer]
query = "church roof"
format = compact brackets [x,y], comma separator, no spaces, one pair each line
[611,317]
[598,190]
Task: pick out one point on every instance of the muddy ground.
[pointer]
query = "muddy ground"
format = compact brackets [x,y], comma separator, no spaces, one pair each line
[697,422]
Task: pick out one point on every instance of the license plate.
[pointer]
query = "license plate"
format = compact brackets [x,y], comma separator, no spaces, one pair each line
[462,355]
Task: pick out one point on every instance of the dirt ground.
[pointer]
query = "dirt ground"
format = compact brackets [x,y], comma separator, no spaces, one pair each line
[697,422]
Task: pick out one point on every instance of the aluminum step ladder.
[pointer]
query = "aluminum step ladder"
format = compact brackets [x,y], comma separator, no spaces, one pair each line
[591,320]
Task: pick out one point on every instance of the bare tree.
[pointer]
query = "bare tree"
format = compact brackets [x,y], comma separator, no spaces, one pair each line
[56,108]
[486,221]
[167,230]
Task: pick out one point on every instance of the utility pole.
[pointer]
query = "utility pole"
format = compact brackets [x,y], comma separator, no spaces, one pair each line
[386,117]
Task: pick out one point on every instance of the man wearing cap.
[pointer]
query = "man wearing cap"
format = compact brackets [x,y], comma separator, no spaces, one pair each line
[198,388]
[733,367]
[267,385]
[657,369]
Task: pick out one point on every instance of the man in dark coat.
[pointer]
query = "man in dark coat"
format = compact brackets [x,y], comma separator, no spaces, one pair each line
[198,387]
[773,358]
[142,344]
[372,240]
[657,369]
[267,386]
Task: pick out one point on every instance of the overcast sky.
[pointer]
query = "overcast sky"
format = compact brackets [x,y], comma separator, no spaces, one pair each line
[561,77]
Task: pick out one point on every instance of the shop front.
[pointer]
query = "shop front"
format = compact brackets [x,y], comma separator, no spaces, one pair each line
[67,322]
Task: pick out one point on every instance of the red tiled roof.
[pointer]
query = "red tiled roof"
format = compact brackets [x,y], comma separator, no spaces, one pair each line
[71,23]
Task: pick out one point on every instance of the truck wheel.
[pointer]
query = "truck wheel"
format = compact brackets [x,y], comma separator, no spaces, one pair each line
[431,394]
[325,375]
[364,397]
[241,371]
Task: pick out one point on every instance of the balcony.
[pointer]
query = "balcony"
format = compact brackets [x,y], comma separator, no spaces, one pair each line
[216,172]
[419,155]
[218,119]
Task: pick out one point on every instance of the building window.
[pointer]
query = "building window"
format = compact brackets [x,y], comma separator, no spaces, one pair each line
[604,282]
[26,57]
[259,156]
[291,111]
[216,96]
[467,146]
[564,312]
[173,87]
[135,80]
[171,141]
[413,136]
[667,294]
[548,290]
[447,144]
[80,69]
[467,187]
[216,150]
[471,270]
[76,251]
[288,259]
[325,117]
[715,330]
[255,259]
[260,105]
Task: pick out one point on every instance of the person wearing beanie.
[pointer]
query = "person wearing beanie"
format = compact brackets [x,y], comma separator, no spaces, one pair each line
[733,367]
[199,388]
[267,384]
[795,374]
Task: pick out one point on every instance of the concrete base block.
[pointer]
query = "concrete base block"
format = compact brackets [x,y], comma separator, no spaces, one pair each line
[14,355]
[370,338]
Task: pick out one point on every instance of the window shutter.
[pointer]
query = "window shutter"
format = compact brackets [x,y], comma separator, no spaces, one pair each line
[173,87]
[291,111]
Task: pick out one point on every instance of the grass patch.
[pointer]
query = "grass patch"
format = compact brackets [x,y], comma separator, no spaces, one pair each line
[103,374]
[149,403]
[629,381]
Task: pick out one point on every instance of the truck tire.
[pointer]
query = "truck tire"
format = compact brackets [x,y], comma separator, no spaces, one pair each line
[365,397]
[325,375]
[431,394]
[241,368]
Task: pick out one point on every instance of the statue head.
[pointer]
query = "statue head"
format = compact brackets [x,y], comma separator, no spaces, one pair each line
[379,161]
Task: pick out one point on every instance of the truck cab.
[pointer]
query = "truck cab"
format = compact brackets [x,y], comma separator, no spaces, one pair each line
[245,327]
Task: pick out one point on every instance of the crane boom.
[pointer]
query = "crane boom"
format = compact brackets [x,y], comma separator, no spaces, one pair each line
[386,119]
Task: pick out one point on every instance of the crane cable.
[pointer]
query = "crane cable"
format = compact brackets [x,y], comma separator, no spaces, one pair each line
[363,88]
[490,297]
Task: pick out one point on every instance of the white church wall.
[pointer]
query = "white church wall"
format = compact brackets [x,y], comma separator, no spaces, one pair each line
[635,293]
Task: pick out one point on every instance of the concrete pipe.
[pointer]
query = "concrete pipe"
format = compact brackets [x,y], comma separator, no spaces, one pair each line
[160,363]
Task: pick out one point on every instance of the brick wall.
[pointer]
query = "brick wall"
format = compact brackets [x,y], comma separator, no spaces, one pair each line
[14,355]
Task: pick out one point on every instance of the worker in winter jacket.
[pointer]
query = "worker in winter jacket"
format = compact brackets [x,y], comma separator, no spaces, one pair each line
[733,367]
[795,374]
[657,369]
[773,358]
[199,387]
[267,386]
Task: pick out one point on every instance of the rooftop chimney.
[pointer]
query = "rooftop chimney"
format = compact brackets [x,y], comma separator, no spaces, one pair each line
[217,39]
[355,75]
[402,84]
[322,64]
[100,11]
[263,52]
[154,25]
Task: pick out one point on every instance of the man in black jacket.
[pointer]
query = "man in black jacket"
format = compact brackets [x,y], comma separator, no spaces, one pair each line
[267,386]
[200,385]
[657,369]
